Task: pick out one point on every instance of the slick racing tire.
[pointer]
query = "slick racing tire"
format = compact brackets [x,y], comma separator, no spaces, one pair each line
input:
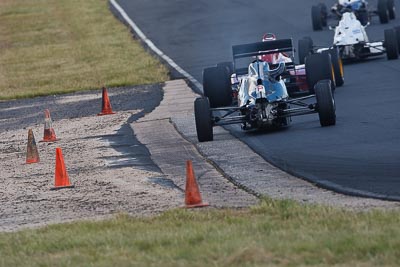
[383,11]
[392,51]
[217,86]
[397,30]
[337,65]
[228,66]
[325,103]
[317,17]
[319,67]
[202,115]
[391,9]
[305,47]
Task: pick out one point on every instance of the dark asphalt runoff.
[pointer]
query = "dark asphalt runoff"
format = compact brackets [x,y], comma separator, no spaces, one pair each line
[360,155]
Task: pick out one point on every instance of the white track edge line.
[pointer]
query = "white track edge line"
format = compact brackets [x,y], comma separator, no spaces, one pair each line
[152,46]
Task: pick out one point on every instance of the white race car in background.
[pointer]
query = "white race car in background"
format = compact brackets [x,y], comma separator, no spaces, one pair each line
[353,43]
[385,11]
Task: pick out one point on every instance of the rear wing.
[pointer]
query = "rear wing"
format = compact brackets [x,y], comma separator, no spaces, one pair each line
[262,48]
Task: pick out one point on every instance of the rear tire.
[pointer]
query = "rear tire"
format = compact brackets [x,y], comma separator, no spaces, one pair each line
[305,47]
[391,9]
[202,115]
[337,65]
[325,103]
[316,17]
[391,44]
[319,67]
[383,11]
[217,86]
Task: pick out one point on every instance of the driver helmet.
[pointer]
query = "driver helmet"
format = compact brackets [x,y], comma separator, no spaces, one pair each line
[269,37]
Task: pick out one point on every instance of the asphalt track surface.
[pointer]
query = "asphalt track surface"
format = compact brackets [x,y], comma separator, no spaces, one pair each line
[360,155]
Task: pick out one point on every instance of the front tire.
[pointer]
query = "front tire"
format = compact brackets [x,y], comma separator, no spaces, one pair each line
[391,45]
[325,103]
[202,115]
[217,86]
[319,67]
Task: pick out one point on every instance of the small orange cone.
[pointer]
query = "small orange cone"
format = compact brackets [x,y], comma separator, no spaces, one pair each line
[192,192]
[61,175]
[32,154]
[106,105]
[49,134]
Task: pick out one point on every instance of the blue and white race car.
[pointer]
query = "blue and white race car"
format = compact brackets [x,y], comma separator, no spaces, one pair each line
[257,96]
[385,11]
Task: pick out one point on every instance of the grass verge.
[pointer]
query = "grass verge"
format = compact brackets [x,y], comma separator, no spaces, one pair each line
[275,233]
[58,46]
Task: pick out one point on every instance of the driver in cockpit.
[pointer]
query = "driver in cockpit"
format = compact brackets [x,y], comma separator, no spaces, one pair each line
[342,5]
[258,73]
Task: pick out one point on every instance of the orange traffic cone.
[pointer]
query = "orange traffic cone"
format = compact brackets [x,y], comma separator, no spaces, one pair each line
[32,154]
[61,175]
[106,105]
[192,192]
[49,134]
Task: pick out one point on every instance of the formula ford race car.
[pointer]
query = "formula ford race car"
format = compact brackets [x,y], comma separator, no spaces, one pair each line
[385,11]
[258,98]
[352,41]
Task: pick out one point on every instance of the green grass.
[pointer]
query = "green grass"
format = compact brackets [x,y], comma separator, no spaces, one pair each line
[58,46]
[275,233]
